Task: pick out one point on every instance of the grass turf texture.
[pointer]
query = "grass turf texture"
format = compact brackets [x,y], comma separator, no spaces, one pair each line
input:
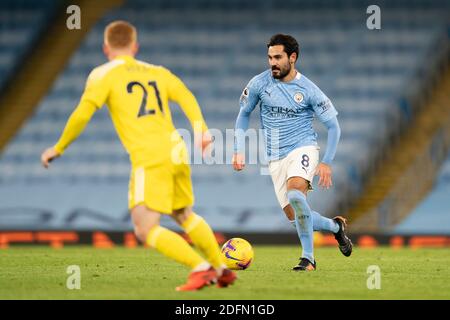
[120,273]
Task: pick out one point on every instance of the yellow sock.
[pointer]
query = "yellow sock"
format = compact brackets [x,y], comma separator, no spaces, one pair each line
[203,238]
[172,245]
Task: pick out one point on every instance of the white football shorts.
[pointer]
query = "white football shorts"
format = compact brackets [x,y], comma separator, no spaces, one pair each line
[300,162]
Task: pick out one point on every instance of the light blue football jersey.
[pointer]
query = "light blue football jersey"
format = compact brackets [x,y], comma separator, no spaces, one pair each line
[287,112]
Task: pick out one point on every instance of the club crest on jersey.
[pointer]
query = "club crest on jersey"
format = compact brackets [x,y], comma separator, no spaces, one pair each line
[298,97]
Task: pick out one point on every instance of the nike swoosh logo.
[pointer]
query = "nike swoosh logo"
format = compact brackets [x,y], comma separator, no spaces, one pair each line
[227,254]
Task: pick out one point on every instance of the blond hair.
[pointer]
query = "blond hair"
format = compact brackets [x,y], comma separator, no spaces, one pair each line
[120,34]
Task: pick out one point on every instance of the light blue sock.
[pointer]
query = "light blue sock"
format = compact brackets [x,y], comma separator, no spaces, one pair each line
[303,222]
[321,223]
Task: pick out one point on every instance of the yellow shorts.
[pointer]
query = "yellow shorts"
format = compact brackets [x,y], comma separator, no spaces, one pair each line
[162,187]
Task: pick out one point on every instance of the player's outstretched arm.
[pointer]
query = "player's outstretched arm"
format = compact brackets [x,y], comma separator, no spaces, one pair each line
[74,127]
[179,93]
[247,103]
[191,109]
[242,122]
[324,168]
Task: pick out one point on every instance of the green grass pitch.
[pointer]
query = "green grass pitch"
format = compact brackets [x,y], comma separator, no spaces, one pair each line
[120,273]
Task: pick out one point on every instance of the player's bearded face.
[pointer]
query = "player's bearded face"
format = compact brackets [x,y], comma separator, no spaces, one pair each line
[281,70]
[279,62]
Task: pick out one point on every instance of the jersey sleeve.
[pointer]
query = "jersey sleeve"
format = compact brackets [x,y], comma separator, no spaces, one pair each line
[322,106]
[250,97]
[75,125]
[334,133]
[247,102]
[97,88]
[179,93]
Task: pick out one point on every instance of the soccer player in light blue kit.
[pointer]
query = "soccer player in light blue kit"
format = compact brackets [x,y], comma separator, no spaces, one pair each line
[288,103]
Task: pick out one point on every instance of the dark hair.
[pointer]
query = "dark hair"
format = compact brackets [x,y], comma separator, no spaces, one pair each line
[289,43]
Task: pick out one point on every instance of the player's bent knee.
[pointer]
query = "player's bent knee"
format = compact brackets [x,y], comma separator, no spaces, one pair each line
[298,183]
[181,215]
[142,232]
[144,220]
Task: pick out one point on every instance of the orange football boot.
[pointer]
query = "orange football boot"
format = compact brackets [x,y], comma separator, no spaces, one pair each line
[198,280]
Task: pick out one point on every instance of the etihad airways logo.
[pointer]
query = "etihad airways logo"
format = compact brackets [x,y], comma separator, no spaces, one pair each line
[283,112]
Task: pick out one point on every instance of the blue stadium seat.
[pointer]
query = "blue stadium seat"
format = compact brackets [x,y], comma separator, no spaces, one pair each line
[21,23]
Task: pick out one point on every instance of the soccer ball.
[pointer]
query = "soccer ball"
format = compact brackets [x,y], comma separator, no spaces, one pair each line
[237,254]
